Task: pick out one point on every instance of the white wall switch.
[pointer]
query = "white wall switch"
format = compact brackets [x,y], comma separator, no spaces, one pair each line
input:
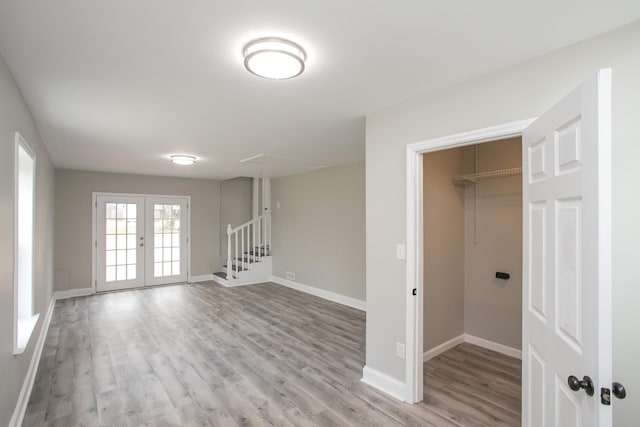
[401,251]
[277,205]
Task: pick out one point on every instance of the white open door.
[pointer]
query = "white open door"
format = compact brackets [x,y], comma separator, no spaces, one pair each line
[567,260]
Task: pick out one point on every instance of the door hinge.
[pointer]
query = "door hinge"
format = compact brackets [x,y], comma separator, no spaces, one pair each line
[96,244]
[414,292]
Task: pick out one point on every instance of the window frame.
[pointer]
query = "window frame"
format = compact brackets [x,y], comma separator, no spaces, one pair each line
[23,325]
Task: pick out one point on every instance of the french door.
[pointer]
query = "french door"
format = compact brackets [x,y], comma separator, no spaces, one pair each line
[140,241]
[166,228]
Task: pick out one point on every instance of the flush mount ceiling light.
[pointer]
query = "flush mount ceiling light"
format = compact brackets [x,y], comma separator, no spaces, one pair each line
[182,160]
[274,58]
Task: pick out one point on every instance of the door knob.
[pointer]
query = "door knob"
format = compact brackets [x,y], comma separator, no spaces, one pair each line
[141,244]
[575,384]
[619,391]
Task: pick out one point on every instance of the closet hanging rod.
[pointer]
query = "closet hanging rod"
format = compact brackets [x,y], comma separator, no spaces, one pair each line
[473,177]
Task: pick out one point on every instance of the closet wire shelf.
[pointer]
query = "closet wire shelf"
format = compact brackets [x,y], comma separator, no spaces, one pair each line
[474,177]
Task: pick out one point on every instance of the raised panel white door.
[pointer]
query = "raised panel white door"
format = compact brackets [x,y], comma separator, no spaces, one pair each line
[567,258]
[119,242]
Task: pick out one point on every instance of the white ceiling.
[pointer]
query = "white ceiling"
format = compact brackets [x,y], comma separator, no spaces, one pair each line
[120,85]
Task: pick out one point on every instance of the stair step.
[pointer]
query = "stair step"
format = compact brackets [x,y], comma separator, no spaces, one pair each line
[222,275]
[236,267]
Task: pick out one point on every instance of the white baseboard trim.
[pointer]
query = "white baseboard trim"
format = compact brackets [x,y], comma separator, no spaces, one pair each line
[328,295]
[471,339]
[491,345]
[27,385]
[72,293]
[384,382]
[201,278]
[430,354]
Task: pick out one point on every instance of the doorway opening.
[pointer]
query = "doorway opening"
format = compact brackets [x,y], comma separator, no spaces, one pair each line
[414,382]
[472,225]
[140,240]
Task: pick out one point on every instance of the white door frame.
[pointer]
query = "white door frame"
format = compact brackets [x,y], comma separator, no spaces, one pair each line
[94,217]
[415,240]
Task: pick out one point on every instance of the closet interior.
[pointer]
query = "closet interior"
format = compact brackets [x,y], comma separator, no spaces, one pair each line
[473,278]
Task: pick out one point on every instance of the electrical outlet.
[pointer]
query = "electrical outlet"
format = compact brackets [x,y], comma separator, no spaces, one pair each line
[400,350]
[291,276]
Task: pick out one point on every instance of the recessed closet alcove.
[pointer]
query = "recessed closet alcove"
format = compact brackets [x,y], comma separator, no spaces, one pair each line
[473,230]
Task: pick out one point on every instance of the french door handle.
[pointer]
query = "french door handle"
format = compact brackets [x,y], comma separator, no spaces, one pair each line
[587,384]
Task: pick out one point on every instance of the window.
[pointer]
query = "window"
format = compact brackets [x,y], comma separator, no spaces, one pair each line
[25,174]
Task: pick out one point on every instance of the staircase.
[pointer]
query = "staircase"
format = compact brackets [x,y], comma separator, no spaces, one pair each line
[248,253]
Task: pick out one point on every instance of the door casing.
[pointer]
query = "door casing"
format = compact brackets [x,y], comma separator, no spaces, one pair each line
[415,241]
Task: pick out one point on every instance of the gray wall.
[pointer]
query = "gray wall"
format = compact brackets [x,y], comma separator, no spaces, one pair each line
[514,93]
[236,198]
[493,307]
[319,231]
[14,116]
[73,219]
[443,247]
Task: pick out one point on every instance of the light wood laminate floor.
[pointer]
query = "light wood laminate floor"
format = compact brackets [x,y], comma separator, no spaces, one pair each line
[474,386]
[202,354]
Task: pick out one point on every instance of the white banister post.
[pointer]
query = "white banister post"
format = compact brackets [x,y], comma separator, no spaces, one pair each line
[236,256]
[259,238]
[242,251]
[228,249]
[270,233]
[248,246]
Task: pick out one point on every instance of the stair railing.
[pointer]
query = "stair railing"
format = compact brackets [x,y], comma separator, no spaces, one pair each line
[252,237]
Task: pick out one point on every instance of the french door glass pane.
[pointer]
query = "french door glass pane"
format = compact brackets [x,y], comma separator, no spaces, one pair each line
[166,238]
[120,242]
